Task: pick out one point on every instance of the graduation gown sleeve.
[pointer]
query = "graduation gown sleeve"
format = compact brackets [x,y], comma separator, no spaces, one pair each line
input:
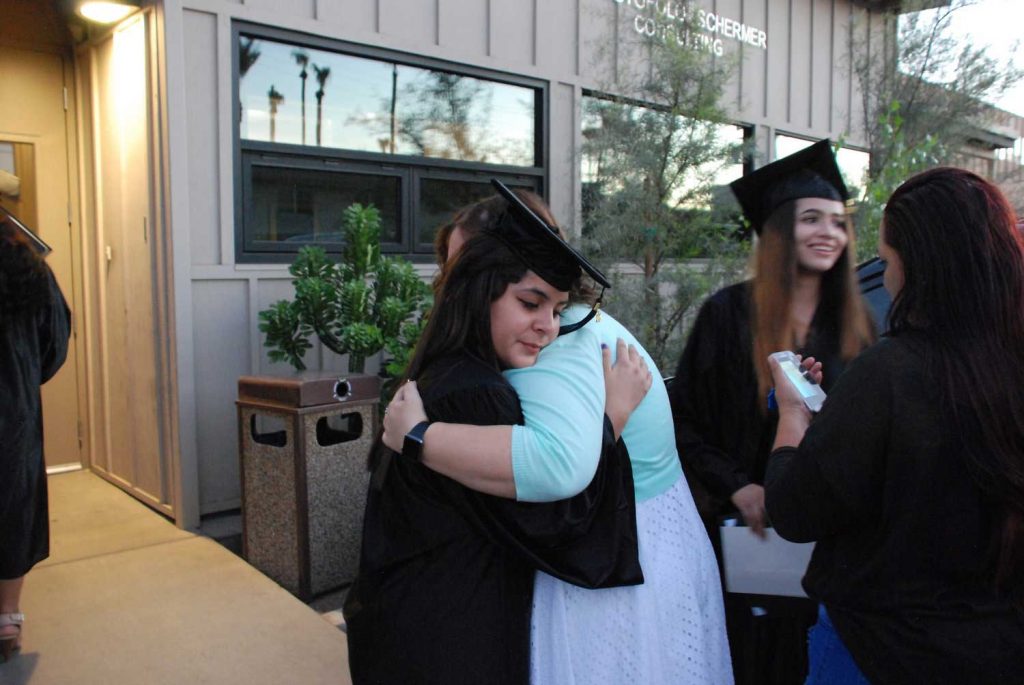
[713,397]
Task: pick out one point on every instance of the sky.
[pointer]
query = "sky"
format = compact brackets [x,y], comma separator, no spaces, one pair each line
[996,24]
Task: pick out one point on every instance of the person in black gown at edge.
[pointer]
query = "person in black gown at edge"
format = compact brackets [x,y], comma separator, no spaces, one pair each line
[445,585]
[34,331]
[803,297]
[911,477]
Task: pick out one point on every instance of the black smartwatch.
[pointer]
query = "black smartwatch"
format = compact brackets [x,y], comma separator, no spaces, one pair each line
[412,448]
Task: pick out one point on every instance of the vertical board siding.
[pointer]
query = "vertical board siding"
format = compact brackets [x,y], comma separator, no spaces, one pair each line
[755,60]
[339,17]
[778,80]
[822,67]
[411,23]
[573,44]
[512,33]
[564,135]
[842,60]
[220,312]
[799,69]
[558,38]
[296,9]
[201,92]
[463,26]
[733,50]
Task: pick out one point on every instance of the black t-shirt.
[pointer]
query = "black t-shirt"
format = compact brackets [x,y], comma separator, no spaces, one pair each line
[904,552]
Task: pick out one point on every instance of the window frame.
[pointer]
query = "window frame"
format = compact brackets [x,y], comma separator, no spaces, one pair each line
[409,168]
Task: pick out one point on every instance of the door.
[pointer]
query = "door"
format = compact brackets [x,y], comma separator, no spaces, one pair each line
[123,182]
[34,146]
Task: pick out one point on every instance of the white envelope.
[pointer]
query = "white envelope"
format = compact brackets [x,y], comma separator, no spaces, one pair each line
[757,566]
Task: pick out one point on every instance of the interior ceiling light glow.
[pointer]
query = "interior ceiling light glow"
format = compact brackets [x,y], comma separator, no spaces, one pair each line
[105,12]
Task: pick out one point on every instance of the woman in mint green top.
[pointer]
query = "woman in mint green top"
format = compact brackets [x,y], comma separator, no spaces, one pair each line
[671,629]
[554,455]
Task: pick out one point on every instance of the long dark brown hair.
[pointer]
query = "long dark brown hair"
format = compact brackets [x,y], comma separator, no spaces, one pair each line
[963,268]
[24,285]
[775,273]
[460,319]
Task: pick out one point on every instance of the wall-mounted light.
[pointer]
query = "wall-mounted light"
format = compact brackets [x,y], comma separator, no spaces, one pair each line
[107,11]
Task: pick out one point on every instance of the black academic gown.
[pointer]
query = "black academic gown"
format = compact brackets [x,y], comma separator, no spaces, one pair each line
[445,586]
[33,346]
[724,437]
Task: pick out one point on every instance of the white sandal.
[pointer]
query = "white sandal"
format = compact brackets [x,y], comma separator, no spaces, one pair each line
[10,642]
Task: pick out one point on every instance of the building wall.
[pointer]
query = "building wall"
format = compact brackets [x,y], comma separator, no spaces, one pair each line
[800,84]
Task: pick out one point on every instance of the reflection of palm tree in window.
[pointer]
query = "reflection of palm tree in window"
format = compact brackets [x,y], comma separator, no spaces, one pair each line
[247,56]
[275,98]
[302,59]
[322,74]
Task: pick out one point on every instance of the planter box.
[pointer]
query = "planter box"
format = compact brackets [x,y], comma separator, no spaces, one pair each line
[303,444]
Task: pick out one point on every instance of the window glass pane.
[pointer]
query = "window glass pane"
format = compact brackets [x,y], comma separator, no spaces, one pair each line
[304,96]
[7,157]
[852,163]
[440,198]
[299,206]
[622,140]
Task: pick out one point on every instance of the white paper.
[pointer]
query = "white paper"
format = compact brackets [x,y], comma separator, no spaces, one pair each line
[770,566]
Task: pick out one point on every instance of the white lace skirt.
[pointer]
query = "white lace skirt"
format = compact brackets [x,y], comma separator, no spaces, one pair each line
[671,629]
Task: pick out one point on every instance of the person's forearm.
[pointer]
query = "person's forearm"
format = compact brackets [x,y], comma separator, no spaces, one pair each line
[792,426]
[618,420]
[479,457]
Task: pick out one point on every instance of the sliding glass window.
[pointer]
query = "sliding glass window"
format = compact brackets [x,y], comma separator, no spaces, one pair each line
[321,125]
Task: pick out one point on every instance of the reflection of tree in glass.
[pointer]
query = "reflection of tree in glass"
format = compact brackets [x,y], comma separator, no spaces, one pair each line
[275,98]
[445,115]
[302,59]
[322,74]
[247,54]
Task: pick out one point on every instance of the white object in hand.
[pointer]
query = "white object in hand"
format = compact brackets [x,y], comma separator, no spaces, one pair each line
[812,394]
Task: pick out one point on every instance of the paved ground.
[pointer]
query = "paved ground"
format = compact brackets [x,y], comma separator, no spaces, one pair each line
[126,597]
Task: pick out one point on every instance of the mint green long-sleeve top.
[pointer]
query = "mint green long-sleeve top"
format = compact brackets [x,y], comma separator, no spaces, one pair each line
[555,453]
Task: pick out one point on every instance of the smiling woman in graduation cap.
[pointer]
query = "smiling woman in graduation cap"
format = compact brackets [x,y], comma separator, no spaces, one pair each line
[446,573]
[803,297]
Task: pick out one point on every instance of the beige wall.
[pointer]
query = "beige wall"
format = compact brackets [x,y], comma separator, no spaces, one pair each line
[799,85]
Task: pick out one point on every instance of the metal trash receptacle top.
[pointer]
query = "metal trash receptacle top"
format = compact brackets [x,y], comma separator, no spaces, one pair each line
[308,389]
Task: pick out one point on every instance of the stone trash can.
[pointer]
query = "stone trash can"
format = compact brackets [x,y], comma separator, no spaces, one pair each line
[303,445]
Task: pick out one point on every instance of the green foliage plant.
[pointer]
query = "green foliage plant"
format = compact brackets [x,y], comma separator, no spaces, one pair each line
[902,162]
[358,307]
[924,97]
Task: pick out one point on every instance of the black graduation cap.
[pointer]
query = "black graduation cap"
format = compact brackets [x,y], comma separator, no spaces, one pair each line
[35,241]
[811,172]
[542,250]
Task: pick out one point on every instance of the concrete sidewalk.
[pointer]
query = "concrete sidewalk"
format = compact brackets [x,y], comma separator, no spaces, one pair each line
[126,597]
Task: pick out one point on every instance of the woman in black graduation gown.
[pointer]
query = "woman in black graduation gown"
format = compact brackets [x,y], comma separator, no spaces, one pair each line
[911,478]
[446,574]
[803,297]
[34,330]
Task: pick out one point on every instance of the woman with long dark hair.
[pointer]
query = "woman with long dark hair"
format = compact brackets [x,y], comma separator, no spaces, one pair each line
[34,330]
[672,628]
[446,573]
[911,478]
[803,297]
